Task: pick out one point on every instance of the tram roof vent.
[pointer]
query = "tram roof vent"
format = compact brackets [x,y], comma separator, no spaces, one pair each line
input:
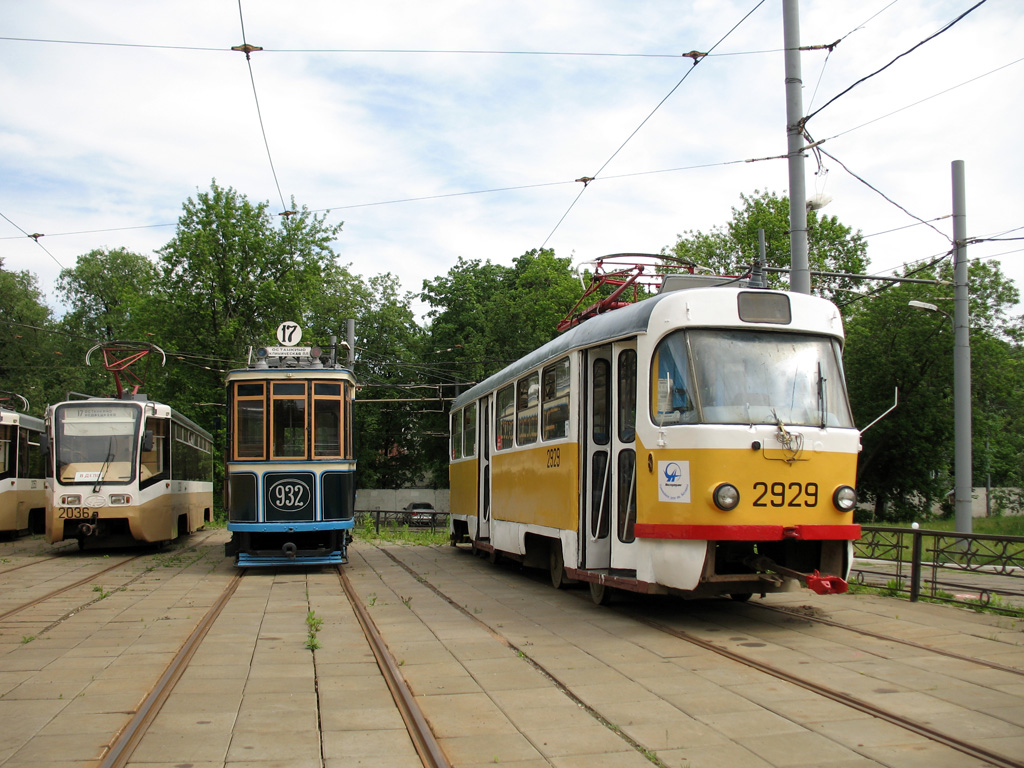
[680,282]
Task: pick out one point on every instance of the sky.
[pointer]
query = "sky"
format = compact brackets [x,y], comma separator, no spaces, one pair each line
[446,129]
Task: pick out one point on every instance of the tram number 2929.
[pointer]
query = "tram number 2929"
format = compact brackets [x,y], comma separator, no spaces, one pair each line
[786,494]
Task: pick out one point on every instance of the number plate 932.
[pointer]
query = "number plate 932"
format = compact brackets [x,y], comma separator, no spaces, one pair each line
[785,494]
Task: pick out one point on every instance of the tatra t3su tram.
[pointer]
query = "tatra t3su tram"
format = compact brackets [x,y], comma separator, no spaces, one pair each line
[698,442]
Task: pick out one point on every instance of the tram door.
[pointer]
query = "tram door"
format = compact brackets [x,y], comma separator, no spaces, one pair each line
[609,434]
[595,421]
[484,453]
[624,456]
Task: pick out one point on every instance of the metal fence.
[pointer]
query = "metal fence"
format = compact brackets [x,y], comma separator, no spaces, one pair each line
[401,517]
[964,568]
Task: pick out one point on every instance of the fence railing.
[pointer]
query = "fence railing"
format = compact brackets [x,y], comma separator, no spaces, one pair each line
[430,521]
[964,568]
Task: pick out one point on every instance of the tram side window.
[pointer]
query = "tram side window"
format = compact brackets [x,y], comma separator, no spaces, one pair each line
[35,454]
[469,431]
[327,424]
[672,390]
[627,395]
[249,421]
[288,414]
[457,435]
[600,411]
[527,398]
[555,407]
[6,451]
[504,415]
[154,462]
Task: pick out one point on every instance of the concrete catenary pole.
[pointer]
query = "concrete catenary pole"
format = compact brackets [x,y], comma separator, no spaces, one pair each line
[800,274]
[351,334]
[963,462]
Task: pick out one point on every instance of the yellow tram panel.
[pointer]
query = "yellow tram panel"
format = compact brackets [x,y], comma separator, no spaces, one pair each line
[772,491]
[537,486]
[463,479]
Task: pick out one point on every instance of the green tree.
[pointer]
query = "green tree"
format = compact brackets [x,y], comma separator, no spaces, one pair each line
[731,249]
[393,431]
[108,292]
[906,463]
[28,349]
[483,316]
[230,275]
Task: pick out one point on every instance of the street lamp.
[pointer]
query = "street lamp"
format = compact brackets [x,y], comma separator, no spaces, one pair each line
[962,462]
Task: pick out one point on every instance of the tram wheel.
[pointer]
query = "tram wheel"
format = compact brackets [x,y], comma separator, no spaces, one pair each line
[741,597]
[557,566]
[601,594]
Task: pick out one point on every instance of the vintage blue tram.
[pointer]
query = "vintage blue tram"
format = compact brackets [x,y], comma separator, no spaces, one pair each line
[290,473]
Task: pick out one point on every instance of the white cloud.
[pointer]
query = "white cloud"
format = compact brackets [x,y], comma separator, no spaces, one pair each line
[104,137]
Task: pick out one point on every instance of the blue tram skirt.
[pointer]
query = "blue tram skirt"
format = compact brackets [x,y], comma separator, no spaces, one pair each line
[274,541]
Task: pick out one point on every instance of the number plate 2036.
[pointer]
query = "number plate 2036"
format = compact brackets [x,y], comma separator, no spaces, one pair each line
[785,494]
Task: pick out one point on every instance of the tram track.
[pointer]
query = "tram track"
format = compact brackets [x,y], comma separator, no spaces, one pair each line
[128,559]
[426,745]
[853,702]
[125,742]
[936,735]
[805,616]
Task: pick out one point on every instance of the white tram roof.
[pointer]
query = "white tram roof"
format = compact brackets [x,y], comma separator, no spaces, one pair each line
[159,410]
[8,416]
[689,307]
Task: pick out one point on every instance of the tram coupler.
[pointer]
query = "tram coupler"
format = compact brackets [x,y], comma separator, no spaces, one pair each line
[86,529]
[289,550]
[815,581]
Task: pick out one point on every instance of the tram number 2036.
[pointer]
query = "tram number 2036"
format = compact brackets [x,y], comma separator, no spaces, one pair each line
[786,494]
[74,513]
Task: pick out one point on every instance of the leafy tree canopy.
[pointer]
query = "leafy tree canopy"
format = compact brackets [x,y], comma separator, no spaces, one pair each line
[732,248]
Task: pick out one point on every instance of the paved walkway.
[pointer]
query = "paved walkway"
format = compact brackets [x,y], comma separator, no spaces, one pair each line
[490,667]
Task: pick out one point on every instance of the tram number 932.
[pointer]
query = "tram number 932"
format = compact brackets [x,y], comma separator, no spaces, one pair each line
[786,494]
[289,495]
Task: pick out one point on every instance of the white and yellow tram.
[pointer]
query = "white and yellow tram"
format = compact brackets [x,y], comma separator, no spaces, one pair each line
[698,442]
[290,474]
[22,487]
[125,470]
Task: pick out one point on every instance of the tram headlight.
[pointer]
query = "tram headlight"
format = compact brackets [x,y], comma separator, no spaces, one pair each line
[71,500]
[120,498]
[845,498]
[726,496]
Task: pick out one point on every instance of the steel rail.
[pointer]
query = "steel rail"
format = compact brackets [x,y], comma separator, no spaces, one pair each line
[128,739]
[888,638]
[995,758]
[62,590]
[28,565]
[423,740]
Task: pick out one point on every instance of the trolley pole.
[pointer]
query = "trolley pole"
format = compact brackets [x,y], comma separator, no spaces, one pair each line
[963,462]
[800,276]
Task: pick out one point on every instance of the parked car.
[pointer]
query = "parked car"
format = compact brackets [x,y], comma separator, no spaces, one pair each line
[419,513]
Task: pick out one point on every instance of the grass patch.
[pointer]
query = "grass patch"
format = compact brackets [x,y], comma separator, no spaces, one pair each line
[395,533]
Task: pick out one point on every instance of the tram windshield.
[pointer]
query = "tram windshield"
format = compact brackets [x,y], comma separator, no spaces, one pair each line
[728,376]
[96,442]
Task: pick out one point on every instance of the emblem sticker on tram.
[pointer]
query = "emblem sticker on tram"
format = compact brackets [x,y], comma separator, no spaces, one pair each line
[674,481]
[288,495]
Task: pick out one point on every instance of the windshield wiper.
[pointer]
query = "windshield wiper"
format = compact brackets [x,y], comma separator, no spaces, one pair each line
[103,468]
[822,397]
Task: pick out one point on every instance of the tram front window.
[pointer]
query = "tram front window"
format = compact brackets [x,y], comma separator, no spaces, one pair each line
[757,377]
[95,442]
